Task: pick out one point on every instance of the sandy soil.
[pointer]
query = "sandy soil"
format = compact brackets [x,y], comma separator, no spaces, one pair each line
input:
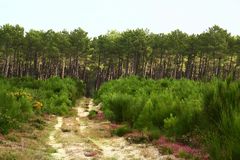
[79,138]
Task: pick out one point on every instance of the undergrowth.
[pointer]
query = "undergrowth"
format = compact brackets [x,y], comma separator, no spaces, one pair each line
[177,108]
[23,98]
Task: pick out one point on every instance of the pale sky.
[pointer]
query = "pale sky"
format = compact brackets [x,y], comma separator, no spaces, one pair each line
[98,16]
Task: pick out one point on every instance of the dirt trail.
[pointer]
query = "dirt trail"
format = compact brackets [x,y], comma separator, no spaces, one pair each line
[76,138]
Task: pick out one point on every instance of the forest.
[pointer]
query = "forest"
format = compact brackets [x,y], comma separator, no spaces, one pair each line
[184,87]
[42,54]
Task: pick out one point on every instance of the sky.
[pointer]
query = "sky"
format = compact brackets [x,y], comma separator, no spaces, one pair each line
[99,16]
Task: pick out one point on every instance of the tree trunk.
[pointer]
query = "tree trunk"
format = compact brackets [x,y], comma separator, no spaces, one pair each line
[35,72]
[219,67]
[63,67]
[7,66]
[127,66]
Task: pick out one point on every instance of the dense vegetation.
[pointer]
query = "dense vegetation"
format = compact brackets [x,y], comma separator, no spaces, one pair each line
[22,99]
[178,108]
[42,54]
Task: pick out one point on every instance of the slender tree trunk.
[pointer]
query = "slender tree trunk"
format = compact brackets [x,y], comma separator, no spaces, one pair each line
[181,68]
[36,65]
[230,64]
[97,83]
[56,70]
[161,68]
[150,67]
[13,65]
[189,66]
[136,63]
[7,66]
[127,65]
[119,72]
[63,67]
[200,67]
[76,66]
[205,68]
[219,67]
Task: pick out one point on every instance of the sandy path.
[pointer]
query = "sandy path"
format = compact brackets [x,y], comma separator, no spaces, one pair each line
[61,153]
[76,138]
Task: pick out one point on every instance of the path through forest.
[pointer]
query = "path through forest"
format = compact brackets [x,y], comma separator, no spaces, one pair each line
[78,137]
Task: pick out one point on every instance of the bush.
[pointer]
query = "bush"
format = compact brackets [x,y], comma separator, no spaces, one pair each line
[92,114]
[21,98]
[221,109]
[59,95]
[178,108]
[121,131]
[12,112]
[144,120]
[170,123]
[154,133]
[145,104]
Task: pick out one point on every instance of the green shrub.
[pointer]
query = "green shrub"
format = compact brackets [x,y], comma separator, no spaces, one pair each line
[144,120]
[121,131]
[166,150]
[92,114]
[186,155]
[21,98]
[178,107]
[8,156]
[170,123]
[144,104]
[154,133]
[109,114]
[9,113]
[221,109]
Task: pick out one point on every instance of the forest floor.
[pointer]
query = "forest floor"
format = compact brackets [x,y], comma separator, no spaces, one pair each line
[78,137]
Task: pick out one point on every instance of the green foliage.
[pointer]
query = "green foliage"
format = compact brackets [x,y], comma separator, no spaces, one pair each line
[170,123]
[8,112]
[222,112]
[92,114]
[14,108]
[51,51]
[145,104]
[58,95]
[121,131]
[177,108]
[166,150]
[8,156]
[154,133]
[119,105]
[21,98]
[144,120]
[186,155]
